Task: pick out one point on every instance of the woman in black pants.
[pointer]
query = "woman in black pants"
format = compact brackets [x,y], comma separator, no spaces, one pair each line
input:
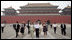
[55,26]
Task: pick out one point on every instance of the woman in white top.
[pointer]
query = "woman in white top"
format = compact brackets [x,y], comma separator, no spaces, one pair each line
[55,25]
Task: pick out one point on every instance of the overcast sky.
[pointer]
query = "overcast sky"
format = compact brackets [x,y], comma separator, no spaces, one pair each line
[16,4]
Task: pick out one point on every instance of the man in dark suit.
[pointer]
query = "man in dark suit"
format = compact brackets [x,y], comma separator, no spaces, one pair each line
[63,29]
[51,25]
[28,26]
[16,27]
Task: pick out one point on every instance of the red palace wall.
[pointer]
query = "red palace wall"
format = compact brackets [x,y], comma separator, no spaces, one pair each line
[57,19]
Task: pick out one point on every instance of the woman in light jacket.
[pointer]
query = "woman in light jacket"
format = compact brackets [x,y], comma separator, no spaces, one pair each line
[32,30]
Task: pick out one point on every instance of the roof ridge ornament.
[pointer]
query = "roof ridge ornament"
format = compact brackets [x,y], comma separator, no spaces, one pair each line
[10,7]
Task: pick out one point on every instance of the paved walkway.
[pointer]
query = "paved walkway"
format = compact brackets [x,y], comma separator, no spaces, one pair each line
[9,33]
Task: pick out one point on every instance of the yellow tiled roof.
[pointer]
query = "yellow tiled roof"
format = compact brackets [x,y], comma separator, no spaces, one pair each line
[38,4]
[9,7]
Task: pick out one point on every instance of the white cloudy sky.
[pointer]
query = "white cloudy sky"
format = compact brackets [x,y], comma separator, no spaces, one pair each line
[17,4]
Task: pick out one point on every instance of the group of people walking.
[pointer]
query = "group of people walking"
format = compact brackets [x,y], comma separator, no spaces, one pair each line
[35,27]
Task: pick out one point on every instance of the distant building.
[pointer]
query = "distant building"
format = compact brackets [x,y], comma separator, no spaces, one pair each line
[66,11]
[34,12]
[39,8]
[9,11]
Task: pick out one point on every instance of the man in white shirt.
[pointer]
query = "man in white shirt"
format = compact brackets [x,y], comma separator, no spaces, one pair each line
[36,26]
[55,25]
[2,27]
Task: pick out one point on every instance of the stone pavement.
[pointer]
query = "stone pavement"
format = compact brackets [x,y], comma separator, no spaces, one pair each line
[9,33]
